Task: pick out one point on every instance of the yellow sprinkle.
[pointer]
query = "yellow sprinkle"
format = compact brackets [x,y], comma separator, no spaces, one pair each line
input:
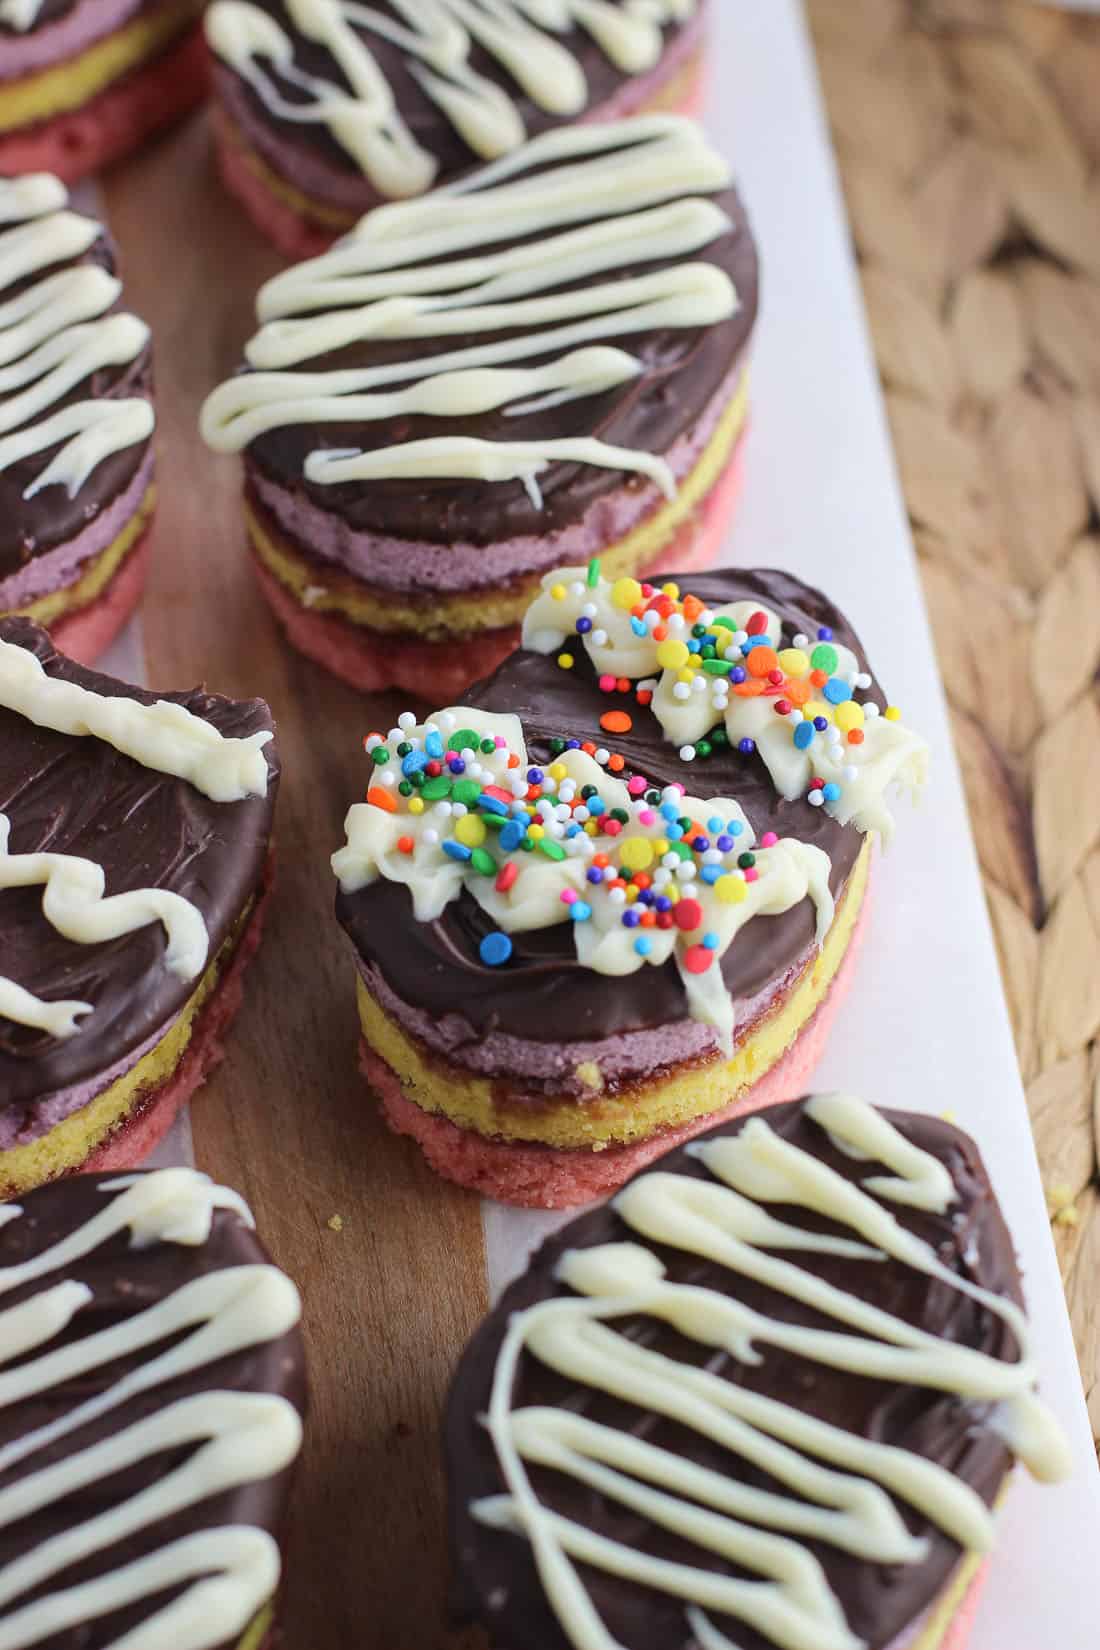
[558,592]
[849,715]
[660,847]
[731,890]
[590,826]
[672,654]
[416,804]
[892,713]
[534,831]
[817,707]
[625,593]
[670,590]
[565,660]
[794,661]
[636,853]
[631,893]
[470,830]
[558,770]
[686,675]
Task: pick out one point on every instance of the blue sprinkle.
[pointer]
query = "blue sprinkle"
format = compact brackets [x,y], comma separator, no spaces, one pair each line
[643,945]
[711,873]
[579,911]
[714,825]
[583,625]
[572,744]
[413,763]
[457,850]
[754,641]
[433,745]
[457,765]
[831,793]
[746,746]
[511,836]
[836,691]
[735,827]
[669,810]
[572,830]
[724,843]
[631,918]
[638,627]
[824,634]
[492,805]
[535,776]
[646,897]
[596,806]
[711,941]
[662,903]
[700,844]
[674,832]
[594,874]
[495,949]
[821,723]
[694,646]
[737,674]
[804,735]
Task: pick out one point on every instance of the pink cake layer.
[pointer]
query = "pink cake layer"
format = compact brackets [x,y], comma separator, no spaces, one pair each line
[131,1144]
[332,186]
[407,566]
[542,1177]
[372,660]
[74,145]
[88,633]
[68,37]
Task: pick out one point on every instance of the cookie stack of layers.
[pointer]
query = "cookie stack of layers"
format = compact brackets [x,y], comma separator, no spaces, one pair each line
[82,82]
[542,364]
[767,1397]
[325,109]
[77,488]
[152,1417]
[133,877]
[550,1078]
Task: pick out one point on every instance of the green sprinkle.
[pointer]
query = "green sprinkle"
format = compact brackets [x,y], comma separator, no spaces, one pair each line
[483,862]
[824,658]
[437,789]
[557,746]
[553,850]
[717,667]
[680,848]
[698,631]
[726,624]
[593,579]
[488,746]
[718,737]
[495,822]
[464,739]
[527,844]
[379,755]
[621,815]
[404,748]
[703,747]
[746,861]
[466,791]
[405,787]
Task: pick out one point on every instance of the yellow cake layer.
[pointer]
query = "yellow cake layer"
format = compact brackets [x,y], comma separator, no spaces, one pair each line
[336,220]
[58,604]
[69,1144]
[492,609]
[950,1602]
[256,1635]
[70,85]
[473,1102]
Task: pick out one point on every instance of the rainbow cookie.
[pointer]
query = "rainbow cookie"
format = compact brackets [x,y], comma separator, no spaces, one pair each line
[542,363]
[154,1387]
[82,82]
[579,937]
[77,489]
[134,843]
[768,1397]
[326,108]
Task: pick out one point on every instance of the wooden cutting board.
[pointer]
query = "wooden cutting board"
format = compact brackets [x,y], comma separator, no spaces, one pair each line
[392,1294]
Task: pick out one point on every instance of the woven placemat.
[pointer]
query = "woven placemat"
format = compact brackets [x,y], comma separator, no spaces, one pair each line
[968,135]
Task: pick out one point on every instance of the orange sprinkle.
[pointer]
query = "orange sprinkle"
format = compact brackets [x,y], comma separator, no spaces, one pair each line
[855,736]
[642,880]
[750,689]
[692,607]
[588,748]
[797,692]
[533,793]
[818,678]
[623,684]
[761,660]
[382,799]
[644,696]
[616,721]
[601,860]
[649,919]
[513,760]
[660,631]
[616,763]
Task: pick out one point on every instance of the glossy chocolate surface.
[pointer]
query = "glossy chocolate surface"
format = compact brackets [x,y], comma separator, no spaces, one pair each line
[543,993]
[31,526]
[147,829]
[494,1577]
[125,1281]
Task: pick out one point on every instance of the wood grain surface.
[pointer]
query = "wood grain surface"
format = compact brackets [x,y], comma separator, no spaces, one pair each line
[391,1296]
[968,134]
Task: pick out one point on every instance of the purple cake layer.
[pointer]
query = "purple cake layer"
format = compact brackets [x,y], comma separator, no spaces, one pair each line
[68,37]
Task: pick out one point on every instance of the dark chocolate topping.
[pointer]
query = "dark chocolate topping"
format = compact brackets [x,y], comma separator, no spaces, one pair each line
[683,371]
[543,992]
[494,1576]
[147,829]
[429,125]
[124,1281]
[31,526]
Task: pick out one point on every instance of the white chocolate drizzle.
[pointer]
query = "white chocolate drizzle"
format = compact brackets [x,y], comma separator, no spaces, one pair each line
[164,737]
[435,37]
[830,1486]
[20,15]
[552,879]
[57,331]
[600,201]
[73,903]
[688,701]
[226,1439]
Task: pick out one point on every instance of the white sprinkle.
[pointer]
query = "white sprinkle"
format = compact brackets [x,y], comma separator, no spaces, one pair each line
[431,838]
[684,870]
[740,637]
[443,809]
[800,640]
[862,680]
[815,798]
[650,685]
[406,720]
[677,624]
[705,617]
[651,620]
[687,753]
[581,814]
[389,779]
[699,683]
[603,757]
[682,690]
[617,896]
[670,862]
[576,588]
[458,809]
[589,610]
[690,889]
[662,877]
[795,715]
[712,856]
[870,709]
